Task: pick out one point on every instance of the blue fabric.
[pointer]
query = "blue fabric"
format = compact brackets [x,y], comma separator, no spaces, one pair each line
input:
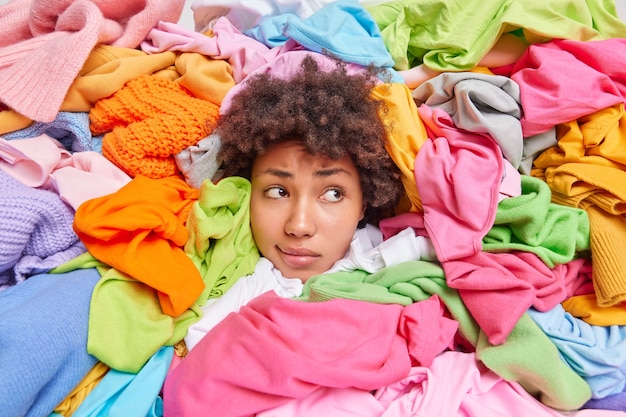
[616,402]
[342,28]
[69,128]
[122,394]
[43,341]
[596,353]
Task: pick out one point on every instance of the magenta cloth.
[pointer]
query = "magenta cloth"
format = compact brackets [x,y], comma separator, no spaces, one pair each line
[563,80]
[45,43]
[275,350]
[497,288]
[458,176]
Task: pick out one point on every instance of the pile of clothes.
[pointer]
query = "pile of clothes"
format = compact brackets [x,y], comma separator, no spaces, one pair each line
[119,240]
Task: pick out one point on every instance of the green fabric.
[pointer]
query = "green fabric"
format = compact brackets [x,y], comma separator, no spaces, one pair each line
[83,261]
[127,325]
[454,35]
[531,223]
[220,241]
[527,357]
[531,358]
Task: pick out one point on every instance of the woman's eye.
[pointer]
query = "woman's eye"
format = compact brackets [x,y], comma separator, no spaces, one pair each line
[275,192]
[333,195]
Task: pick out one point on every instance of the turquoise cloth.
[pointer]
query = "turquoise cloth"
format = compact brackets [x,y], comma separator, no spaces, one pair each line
[128,394]
[343,29]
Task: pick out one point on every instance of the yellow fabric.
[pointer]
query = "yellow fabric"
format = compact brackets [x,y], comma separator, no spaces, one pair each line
[406,134]
[586,170]
[74,399]
[586,308]
[599,139]
[601,192]
[106,70]
[11,121]
[208,79]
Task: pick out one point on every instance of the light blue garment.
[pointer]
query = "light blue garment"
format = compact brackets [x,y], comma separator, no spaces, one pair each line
[596,353]
[43,341]
[69,128]
[344,29]
[123,394]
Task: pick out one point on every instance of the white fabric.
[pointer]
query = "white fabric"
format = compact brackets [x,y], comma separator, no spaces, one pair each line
[370,253]
[264,278]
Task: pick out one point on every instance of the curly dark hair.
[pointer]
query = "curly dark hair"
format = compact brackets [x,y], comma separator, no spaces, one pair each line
[331,112]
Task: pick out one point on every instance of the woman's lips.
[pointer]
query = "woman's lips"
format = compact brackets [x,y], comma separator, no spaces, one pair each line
[298,258]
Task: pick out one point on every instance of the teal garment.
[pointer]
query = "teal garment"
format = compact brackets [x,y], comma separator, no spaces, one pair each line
[454,35]
[220,241]
[528,356]
[129,394]
[530,222]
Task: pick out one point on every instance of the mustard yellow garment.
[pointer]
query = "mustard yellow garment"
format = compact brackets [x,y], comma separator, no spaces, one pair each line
[106,70]
[74,399]
[586,308]
[10,121]
[206,78]
[406,134]
[586,170]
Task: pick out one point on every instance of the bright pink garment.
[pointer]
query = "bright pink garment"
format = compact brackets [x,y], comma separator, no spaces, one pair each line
[45,43]
[277,349]
[498,288]
[458,175]
[563,80]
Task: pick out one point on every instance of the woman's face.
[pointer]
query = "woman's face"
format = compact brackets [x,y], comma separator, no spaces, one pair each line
[304,208]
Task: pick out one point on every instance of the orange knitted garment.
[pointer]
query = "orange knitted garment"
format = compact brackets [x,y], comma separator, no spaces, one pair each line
[147,122]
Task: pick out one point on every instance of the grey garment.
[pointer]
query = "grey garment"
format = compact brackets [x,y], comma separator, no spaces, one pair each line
[199,162]
[481,103]
[534,146]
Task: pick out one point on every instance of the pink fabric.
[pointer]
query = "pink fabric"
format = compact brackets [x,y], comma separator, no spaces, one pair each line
[276,349]
[243,53]
[42,162]
[458,175]
[497,288]
[563,80]
[44,44]
[329,402]
[391,226]
[436,332]
[456,384]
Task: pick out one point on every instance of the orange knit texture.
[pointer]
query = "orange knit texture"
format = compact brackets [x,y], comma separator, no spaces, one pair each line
[147,122]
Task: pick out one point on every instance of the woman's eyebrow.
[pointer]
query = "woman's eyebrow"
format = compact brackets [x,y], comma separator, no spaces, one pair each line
[331,171]
[276,172]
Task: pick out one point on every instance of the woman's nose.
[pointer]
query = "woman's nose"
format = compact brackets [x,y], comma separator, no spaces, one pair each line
[301,220]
